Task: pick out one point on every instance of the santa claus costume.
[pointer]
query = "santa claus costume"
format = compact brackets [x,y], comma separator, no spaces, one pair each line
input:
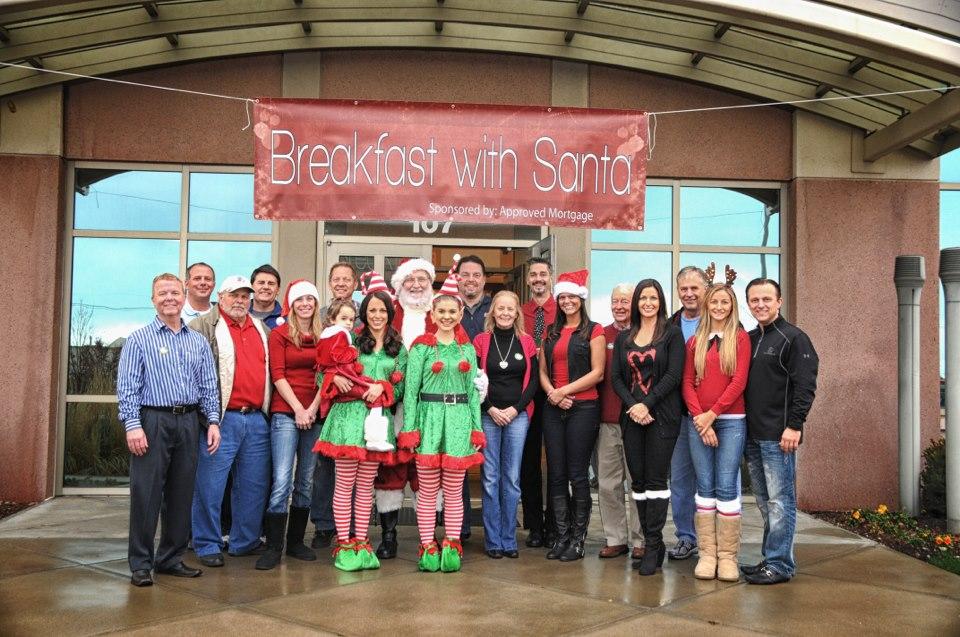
[441,425]
[346,438]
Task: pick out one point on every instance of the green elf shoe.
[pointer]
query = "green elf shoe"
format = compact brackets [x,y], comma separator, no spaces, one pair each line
[368,559]
[450,555]
[429,558]
[346,557]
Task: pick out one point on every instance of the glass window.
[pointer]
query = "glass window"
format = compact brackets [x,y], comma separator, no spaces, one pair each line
[730,216]
[229,257]
[949,238]
[748,266]
[126,200]
[658,221]
[223,203]
[110,299]
[610,267]
[95,447]
[950,167]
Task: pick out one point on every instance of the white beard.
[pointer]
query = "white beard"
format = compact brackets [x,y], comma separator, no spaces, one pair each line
[414,325]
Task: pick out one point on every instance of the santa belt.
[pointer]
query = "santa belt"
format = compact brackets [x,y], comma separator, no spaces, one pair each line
[446,399]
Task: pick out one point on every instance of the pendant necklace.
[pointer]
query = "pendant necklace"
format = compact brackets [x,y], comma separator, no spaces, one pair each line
[503,359]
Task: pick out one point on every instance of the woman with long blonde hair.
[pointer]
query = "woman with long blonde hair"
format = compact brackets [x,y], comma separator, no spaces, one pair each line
[714,379]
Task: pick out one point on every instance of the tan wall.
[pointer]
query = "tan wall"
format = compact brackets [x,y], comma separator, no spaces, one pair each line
[847,235]
[31,262]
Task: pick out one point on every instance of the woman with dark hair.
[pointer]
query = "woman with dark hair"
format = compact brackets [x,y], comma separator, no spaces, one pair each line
[647,368]
[571,365]
[345,436]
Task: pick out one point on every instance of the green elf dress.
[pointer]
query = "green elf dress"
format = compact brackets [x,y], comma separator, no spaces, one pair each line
[342,433]
[442,434]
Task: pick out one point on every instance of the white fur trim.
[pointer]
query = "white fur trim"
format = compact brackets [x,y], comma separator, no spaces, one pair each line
[407,268]
[388,501]
[706,503]
[658,495]
[301,288]
[729,507]
[414,325]
[569,287]
[638,496]
[334,329]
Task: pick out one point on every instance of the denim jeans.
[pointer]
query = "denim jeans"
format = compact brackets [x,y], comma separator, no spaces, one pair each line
[244,448]
[290,443]
[773,476]
[501,480]
[682,485]
[718,468]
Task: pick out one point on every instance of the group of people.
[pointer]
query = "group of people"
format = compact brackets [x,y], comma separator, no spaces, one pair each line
[249,416]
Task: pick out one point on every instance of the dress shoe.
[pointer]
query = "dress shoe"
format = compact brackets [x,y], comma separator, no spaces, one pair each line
[214,560]
[512,554]
[495,554]
[141,578]
[752,569]
[180,570]
[534,540]
[766,575]
[637,553]
[613,551]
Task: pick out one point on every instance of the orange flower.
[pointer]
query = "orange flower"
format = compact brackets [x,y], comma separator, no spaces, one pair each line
[882,509]
[939,540]
[856,514]
[947,540]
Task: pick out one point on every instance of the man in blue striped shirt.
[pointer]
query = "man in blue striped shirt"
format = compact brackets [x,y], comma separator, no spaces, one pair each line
[165,376]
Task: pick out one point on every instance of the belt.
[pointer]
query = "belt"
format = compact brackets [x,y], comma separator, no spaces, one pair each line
[446,399]
[174,409]
[245,410]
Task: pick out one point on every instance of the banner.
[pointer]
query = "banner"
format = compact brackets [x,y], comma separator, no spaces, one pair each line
[411,161]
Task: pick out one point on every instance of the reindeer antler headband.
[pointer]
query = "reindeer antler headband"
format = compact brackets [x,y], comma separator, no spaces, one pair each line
[729,273]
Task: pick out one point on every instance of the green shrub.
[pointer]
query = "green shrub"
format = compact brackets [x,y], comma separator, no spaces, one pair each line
[933,489]
[946,561]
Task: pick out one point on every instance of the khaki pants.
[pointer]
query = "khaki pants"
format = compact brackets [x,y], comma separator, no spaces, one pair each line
[612,469]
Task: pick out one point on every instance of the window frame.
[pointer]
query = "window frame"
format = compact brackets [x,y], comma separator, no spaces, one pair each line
[69,234]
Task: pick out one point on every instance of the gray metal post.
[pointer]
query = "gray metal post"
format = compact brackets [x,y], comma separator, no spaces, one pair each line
[909,275]
[950,278]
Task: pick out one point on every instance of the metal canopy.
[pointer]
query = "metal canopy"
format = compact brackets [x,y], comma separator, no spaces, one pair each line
[771,51]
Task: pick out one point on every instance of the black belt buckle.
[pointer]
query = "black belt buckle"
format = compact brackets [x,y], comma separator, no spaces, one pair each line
[179,410]
[449,399]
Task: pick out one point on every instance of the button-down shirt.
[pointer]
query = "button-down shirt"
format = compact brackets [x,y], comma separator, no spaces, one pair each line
[162,368]
[188,313]
[530,317]
[473,318]
[250,373]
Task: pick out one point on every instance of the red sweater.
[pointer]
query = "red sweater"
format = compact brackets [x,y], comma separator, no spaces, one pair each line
[296,365]
[609,401]
[717,392]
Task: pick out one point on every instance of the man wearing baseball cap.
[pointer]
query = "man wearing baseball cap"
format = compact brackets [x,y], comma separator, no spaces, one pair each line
[239,345]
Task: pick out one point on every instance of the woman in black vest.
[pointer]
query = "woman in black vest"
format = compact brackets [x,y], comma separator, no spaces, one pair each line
[570,368]
[647,368]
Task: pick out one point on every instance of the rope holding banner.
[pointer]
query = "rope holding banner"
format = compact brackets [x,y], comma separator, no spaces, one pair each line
[652,132]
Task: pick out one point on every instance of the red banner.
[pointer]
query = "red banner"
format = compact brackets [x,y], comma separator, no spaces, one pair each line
[411,161]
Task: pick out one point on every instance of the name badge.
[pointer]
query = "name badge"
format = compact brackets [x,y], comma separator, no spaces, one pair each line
[163,350]
[609,345]
[518,356]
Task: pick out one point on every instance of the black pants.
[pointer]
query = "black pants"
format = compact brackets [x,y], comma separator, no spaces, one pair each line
[648,455]
[531,473]
[161,483]
[569,436]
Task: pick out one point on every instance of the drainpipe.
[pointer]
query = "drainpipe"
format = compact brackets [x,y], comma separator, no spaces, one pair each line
[909,275]
[950,278]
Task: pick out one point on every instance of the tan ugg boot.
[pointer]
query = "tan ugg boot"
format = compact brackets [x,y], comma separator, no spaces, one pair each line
[707,542]
[728,546]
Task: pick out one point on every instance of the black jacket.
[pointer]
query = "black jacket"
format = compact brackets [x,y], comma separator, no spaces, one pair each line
[663,400]
[782,381]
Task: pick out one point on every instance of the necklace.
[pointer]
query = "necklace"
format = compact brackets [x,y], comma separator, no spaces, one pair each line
[503,359]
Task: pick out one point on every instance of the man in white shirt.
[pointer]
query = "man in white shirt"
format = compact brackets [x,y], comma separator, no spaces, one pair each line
[199,284]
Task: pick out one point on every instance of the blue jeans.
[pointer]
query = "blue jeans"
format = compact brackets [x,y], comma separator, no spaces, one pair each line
[244,448]
[288,444]
[773,476]
[718,468]
[682,484]
[501,480]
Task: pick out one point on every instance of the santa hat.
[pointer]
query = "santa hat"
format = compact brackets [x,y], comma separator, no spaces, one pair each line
[377,284]
[296,289]
[408,267]
[451,285]
[572,283]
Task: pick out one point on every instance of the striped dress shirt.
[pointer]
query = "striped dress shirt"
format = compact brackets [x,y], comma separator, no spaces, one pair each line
[162,368]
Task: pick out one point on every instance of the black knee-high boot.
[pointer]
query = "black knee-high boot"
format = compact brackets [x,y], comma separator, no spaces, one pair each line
[656,518]
[561,520]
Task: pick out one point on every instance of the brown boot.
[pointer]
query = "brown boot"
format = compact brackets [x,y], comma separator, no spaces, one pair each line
[705,524]
[728,546]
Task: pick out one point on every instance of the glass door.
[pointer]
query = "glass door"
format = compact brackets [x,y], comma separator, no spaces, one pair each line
[382,257]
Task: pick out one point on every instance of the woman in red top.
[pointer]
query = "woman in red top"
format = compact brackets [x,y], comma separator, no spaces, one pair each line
[714,378]
[293,409]
[571,366]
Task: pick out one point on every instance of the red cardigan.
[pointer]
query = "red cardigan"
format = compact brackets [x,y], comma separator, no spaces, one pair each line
[717,392]
[482,344]
[296,365]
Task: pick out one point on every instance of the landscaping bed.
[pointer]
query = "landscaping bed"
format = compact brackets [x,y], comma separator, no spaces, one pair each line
[9,508]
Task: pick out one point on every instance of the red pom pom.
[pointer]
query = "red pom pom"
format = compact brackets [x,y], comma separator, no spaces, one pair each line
[437,367]
[396,377]
[464,366]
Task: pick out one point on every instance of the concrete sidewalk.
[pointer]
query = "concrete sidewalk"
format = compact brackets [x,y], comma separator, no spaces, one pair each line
[63,570]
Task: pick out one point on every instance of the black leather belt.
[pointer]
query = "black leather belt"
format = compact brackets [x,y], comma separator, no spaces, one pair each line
[174,409]
[446,399]
[245,410]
